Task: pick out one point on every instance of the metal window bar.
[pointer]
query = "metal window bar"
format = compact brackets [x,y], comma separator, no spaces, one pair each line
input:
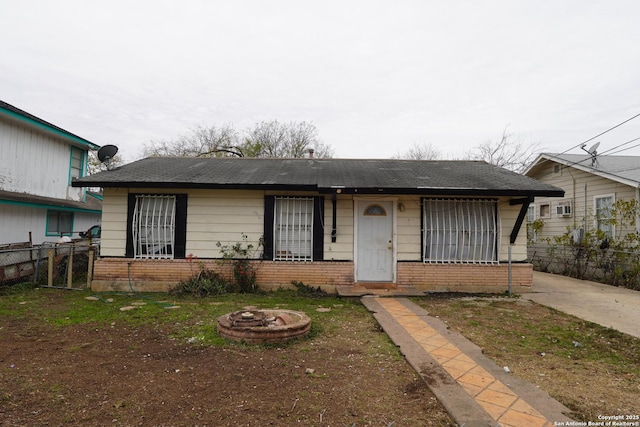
[293,229]
[154,226]
[460,231]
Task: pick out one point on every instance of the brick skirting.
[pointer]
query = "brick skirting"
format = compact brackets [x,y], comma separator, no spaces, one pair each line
[124,274]
[474,278]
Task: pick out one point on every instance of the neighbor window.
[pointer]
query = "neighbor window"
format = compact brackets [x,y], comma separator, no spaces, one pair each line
[545,210]
[293,229]
[77,163]
[59,223]
[603,206]
[460,231]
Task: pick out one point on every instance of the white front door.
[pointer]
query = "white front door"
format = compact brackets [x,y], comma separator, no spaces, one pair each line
[375,254]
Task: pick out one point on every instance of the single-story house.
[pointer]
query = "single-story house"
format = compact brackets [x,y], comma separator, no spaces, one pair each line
[434,225]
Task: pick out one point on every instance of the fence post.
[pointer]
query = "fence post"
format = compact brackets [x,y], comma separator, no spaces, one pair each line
[90,267]
[70,267]
[50,269]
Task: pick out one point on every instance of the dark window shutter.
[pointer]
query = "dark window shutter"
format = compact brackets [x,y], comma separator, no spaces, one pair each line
[131,204]
[318,228]
[269,207]
[181,226]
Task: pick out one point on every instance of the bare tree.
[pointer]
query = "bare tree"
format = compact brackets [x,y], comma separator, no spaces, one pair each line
[202,141]
[293,139]
[94,165]
[266,139]
[417,151]
[509,152]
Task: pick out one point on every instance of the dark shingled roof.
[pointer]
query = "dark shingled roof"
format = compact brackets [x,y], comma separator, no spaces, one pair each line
[361,176]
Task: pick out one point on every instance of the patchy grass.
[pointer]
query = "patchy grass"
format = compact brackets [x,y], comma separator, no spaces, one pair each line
[591,369]
[68,360]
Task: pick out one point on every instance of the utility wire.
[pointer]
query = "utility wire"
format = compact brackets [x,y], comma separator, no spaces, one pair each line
[609,151]
[625,149]
[600,134]
[620,145]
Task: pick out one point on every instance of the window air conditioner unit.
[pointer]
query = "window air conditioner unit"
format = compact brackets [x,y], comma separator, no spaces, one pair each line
[563,210]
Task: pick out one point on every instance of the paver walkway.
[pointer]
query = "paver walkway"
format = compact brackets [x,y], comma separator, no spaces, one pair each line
[471,387]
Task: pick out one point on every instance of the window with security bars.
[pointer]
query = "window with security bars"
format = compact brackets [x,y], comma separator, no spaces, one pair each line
[154,227]
[293,229]
[460,231]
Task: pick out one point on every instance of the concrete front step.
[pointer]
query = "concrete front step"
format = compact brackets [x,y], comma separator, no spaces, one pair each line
[357,290]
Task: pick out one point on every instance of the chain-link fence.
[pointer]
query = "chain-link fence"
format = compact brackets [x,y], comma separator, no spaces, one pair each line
[605,265]
[66,265]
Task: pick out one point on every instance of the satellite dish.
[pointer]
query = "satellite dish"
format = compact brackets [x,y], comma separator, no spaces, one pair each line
[593,153]
[107,152]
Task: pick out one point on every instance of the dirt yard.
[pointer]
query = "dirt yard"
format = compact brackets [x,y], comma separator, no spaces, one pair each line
[123,370]
[66,360]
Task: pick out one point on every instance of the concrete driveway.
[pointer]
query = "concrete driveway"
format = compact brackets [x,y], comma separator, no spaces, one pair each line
[609,306]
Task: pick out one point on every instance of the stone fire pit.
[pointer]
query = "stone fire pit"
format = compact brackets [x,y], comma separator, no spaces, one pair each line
[264,326]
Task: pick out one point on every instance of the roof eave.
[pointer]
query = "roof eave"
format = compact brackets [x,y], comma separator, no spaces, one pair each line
[49,129]
[587,169]
[329,190]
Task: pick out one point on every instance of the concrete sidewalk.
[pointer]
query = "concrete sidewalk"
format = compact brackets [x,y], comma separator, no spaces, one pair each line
[471,387]
[606,305]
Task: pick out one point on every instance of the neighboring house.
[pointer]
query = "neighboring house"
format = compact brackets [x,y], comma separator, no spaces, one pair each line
[435,225]
[38,163]
[591,184]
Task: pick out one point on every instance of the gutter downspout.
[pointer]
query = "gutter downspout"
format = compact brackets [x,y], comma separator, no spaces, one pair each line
[334,227]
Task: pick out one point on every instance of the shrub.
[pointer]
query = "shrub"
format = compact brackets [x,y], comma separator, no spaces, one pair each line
[239,255]
[205,283]
[309,291]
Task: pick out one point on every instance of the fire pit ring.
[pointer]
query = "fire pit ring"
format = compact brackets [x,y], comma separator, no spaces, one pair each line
[264,326]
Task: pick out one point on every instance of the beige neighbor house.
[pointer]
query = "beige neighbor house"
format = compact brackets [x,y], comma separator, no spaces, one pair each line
[592,184]
[434,225]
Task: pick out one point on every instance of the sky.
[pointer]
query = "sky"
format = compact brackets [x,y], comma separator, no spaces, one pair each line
[374,77]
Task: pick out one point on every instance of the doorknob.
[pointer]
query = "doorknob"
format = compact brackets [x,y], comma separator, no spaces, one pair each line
[390,245]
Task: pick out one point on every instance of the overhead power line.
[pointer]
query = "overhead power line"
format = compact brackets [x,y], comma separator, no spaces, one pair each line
[609,151]
[602,133]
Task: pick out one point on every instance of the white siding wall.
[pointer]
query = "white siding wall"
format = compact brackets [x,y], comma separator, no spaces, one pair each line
[18,221]
[212,216]
[35,163]
[409,229]
[507,216]
[342,249]
[223,216]
[113,241]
